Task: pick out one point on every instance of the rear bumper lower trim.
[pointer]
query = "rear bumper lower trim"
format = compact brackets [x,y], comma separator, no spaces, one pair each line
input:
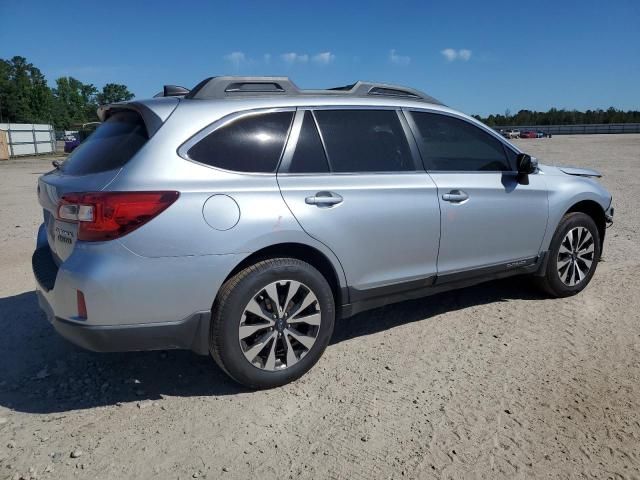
[191,333]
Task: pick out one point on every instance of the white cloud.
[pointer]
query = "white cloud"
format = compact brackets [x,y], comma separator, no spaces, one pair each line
[293,57]
[398,59]
[464,54]
[450,54]
[267,58]
[324,58]
[236,58]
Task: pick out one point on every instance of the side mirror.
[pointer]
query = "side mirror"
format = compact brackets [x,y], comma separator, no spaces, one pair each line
[526,163]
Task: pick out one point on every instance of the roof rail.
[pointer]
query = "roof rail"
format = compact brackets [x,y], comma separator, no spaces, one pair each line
[227,87]
[223,87]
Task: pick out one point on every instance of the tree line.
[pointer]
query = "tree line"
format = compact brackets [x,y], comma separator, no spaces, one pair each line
[556,116]
[25,96]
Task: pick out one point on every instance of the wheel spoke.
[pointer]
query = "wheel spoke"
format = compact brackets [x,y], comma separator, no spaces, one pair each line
[587,264]
[563,262]
[258,346]
[579,273]
[564,250]
[256,309]
[270,364]
[586,250]
[586,240]
[568,274]
[305,340]
[292,359]
[308,300]
[248,330]
[272,292]
[570,236]
[313,319]
[293,289]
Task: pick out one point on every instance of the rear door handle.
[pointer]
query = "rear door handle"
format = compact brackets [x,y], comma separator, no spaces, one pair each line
[455,196]
[323,199]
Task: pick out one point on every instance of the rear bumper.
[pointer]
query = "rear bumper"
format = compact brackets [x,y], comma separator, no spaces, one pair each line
[133,303]
[191,333]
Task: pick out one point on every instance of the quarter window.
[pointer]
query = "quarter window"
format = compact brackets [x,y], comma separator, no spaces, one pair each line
[248,144]
[364,141]
[452,144]
[309,156]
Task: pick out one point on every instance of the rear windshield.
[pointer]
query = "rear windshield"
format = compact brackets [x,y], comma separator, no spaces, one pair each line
[110,146]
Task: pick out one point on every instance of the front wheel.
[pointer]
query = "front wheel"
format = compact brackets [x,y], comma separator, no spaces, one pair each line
[573,255]
[271,322]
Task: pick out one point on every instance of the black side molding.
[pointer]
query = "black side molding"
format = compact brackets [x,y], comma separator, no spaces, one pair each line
[516,265]
[362,300]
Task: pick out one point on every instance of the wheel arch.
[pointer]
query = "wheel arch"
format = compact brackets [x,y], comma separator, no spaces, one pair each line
[595,211]
[305,253]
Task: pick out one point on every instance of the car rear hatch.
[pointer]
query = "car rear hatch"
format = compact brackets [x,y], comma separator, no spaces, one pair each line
[92,166]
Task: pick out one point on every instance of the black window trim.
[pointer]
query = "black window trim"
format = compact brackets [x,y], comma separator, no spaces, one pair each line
[416,133]
[183,149]
[297,127]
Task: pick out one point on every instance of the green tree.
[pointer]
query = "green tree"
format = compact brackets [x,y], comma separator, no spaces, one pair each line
[5,90]
[114,92]
[24,94]
[75,102]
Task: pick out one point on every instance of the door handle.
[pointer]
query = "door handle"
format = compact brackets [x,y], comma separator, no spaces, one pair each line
[455,196]
[323,199]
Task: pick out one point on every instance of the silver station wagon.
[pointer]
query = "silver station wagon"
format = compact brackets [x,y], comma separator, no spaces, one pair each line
[241,218]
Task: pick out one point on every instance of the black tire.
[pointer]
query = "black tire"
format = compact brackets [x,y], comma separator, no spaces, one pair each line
[551,281]
[229,308]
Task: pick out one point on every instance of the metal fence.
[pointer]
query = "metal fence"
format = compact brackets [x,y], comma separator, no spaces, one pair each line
[29,138]
[578,129]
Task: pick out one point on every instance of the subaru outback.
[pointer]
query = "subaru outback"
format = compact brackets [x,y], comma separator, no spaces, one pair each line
[241,218]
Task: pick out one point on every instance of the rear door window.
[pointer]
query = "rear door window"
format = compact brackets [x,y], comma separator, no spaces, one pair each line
[365,141]
[111,146]
[452,144]
[248,144]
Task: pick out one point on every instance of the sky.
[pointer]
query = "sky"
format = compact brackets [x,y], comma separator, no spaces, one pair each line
[480,57]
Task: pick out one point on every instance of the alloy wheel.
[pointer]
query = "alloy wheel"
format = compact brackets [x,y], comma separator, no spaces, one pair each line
[575,256]
[279,325]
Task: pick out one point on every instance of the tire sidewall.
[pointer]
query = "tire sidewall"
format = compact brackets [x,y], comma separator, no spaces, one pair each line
[230,351]
[569,222]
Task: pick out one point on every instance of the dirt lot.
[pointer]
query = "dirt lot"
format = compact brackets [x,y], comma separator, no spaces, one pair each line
[494,381]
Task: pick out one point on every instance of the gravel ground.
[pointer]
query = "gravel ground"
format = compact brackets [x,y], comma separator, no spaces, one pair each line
[493,381]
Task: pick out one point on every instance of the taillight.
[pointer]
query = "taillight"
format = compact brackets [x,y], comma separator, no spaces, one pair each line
[107,215]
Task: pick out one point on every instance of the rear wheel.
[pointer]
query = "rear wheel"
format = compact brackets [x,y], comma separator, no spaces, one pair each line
[271,322]
[573,255]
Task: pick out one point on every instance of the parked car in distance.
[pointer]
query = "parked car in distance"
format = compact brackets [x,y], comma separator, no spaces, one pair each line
[242,218]
[540,134]
[528,134]
[73,141]
[511,133]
